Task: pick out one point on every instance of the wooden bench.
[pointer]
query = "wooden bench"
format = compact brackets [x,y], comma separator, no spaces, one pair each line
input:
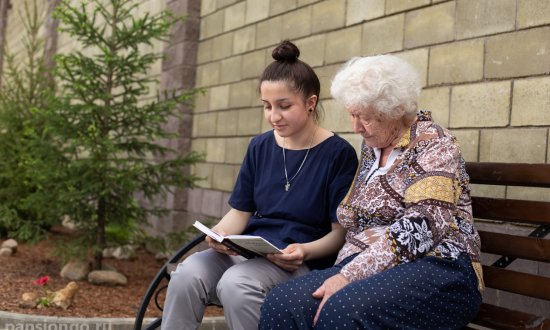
[511,232]
[501,251]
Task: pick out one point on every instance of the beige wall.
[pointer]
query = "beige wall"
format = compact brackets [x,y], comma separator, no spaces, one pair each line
[15,30]
[484,65]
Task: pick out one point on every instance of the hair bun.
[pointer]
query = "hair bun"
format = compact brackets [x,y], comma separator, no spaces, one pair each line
[286,51]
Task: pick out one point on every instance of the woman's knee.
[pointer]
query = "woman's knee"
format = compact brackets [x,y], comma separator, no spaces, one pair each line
[281,311]
[191,272]
[235,286]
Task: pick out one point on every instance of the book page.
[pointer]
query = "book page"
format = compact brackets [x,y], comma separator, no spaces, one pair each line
[246,245]
[254,243]
[208,231]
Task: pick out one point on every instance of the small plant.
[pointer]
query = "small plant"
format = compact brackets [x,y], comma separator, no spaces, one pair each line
[47,296]
[174,240]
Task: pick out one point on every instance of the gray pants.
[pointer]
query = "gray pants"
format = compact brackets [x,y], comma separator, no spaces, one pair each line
[240,285]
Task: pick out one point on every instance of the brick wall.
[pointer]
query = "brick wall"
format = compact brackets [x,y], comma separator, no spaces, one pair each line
[484,67]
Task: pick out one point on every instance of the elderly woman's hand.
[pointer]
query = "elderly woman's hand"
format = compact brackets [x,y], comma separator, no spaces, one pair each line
[329,287]
[292,258]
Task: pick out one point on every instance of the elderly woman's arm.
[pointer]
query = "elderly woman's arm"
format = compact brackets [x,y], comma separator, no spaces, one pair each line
[430,201]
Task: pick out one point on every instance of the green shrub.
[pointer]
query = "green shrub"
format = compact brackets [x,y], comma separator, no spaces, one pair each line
[29,162]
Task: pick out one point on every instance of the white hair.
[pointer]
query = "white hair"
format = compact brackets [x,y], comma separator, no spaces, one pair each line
[386,83]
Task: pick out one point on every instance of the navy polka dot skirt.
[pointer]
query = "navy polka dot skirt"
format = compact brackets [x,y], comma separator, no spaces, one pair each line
[428,293]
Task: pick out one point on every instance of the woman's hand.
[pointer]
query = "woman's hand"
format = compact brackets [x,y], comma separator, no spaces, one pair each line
[329,287]
[219,247]
[292,258]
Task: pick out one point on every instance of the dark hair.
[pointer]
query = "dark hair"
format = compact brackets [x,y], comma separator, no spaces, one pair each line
[287,67]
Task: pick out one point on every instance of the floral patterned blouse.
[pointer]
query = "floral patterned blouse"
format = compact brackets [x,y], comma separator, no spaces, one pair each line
[421,206]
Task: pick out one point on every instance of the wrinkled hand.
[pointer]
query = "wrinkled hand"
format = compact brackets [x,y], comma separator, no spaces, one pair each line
[219,247]
[291,259]
[329,287]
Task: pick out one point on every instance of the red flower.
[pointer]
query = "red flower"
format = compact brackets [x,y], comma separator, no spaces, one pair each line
[42,280]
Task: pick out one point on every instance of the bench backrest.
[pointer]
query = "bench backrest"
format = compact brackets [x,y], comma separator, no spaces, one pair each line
[511,246]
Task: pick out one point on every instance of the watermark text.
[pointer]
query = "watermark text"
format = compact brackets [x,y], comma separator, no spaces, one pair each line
[57,326]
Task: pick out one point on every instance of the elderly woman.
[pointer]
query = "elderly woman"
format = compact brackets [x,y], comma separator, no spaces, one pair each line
[411,257]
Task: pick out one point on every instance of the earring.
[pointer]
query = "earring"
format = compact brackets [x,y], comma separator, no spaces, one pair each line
[310,110]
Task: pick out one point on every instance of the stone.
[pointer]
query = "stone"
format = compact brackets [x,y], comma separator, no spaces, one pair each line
[517,54]
[107,277]
[383,35]
[28,300]
[126,252]
[68,223]
[64,297]
[106,266]
[419,25]
[11,244]
[152,246]
[108,252]
[342,44]
[163,255]
[6,251]
[75,270]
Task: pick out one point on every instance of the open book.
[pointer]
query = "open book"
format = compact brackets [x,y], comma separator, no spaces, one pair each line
[246,245]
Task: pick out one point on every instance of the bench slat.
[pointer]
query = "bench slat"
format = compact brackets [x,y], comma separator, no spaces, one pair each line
[516,282]
[511,245]
[529,175]
[530,248]
[512,210]
[496,317]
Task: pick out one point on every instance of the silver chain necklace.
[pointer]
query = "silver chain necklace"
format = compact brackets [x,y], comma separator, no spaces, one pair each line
[287,184]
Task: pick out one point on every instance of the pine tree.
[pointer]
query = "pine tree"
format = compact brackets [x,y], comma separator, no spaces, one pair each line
[107,130]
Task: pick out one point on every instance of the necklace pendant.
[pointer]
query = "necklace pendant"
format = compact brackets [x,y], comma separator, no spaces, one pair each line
[287,186]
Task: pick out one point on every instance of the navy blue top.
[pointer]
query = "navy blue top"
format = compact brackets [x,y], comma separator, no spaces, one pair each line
[305,212]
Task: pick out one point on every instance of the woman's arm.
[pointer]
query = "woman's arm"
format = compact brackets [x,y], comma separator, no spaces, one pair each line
[327,245]
[295,254]
[233,223]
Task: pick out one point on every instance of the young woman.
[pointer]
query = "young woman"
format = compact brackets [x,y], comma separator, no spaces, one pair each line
[290,184]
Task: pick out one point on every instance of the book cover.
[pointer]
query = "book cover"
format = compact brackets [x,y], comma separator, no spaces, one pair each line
[246,245]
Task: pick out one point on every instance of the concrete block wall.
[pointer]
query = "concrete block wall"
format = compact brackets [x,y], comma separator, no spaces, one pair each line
[15,33]
[15,29]
[484,67]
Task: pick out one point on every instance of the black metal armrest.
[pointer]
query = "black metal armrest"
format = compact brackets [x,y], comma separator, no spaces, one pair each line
[153,287]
